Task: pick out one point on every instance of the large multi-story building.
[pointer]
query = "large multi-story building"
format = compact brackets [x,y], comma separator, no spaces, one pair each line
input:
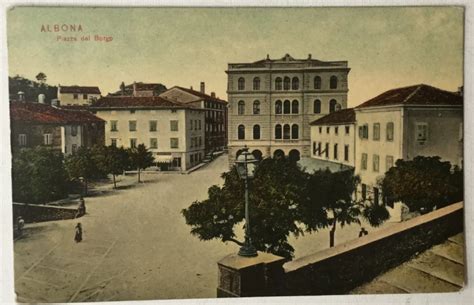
[215,113]
[173,131]
[77,95]
[272,102]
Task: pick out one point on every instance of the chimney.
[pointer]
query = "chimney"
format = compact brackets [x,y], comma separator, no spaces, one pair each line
[268,56]
[203,87]
[191,87]
[41,98]
[21,96]
[309,56]
[213,94]
[461,91]
[134,88]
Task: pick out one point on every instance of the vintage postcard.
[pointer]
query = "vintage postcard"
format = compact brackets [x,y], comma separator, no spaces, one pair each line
[183,153]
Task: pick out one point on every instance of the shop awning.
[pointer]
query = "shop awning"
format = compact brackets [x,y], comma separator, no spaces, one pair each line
[164,158]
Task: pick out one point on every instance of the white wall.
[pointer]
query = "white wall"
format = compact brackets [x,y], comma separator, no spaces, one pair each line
[68,99]
[341,139]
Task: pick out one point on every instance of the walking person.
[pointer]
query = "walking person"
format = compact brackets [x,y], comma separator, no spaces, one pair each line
[78,235]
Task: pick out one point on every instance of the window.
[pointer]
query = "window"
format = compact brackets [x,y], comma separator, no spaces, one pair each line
[241,132]
[153,143]
[192,158]
[363,161]
[336,130]
[84,96]
[73,148]
[200,141]
[48,139]
[174,125]
[113,126]
[199,124]
[315,149]
[74,131]
[295,131]
[319,148]
[132,125]
[256,132]
[375,163]
[421,133]
[348,129]
[286,107]
[328,129]
[241,108]
[346,152]
[364,191]
[256,107]
[295,83]
[317,106]
[174,143]
[75,96]
[388,162]
[376,132]
[332,105]
[278,107]
[256,83]
[286,83]
[327,150]
[376,195]
[335,151]
[320,130]
[133,143]
[364,131]
[286,131]
[333,82]
[278,83]
[390,130]
[191,124]
[113,142]
[241,84]
[278,131]
[153,125]
[294,107]
[177,162]
[317,82]
[22,139]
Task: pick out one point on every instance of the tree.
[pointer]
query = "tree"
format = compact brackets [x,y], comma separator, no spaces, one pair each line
[140,158]
[81,165]
[423,183]
[38,176]
[41,78]
[111,160]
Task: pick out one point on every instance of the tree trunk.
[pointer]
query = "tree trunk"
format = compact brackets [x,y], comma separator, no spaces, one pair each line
[85,187]
[115,183]
[332,234]
[138,170]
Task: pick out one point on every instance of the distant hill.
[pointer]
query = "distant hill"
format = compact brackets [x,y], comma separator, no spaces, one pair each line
[31,89]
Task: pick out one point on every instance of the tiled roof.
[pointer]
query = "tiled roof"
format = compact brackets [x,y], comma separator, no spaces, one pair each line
[79,89]
[338,117]
[136,102]
[201,95]
[415,95]
[36,113]
[290,59]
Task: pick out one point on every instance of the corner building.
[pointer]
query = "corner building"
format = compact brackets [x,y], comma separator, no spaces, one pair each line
[272,102]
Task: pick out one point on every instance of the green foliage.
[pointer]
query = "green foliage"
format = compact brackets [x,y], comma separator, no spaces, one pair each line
[111,160]
[41,77]
[140,158]
[82,165]
[38,176]
[31,88]
[423,183]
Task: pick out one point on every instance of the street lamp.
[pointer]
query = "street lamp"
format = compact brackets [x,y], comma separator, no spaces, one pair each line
[246,164]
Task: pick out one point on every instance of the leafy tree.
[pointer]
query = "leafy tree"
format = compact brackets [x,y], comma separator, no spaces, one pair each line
[38,175]
[140,158]
[111,160]
[423,183]
[41,78]
[81,165]
[31,89]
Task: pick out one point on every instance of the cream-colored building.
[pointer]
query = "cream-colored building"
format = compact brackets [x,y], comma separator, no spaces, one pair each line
[272,102]
[77,95]
[174,132]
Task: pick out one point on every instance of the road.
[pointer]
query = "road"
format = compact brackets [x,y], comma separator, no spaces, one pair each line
[136,246]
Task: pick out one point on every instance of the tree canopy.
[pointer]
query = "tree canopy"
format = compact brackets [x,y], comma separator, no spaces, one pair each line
[141,158]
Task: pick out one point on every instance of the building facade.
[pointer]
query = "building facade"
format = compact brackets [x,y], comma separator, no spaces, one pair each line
[77,95]
[37,124]
[215,113]
[172,131]
[272,102]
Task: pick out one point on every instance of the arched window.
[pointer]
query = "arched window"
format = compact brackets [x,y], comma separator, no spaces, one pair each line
[256,107]
[241,108]
[278,131]
[317,106]
[241,132]
[256,132]
[286,131]
[286,83]
[294,107]
[295,131]
[333,82]
[278,83]
[241,83]
[256,83]
[278,107]
[295,83]
[317,82]
[286,107]
[332,105]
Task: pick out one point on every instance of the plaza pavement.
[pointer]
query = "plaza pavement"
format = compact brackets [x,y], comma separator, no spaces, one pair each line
[136,246]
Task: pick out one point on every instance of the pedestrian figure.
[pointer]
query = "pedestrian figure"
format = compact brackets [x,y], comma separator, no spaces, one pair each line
[20,224]
[78,235]
[363,232]
[81,209]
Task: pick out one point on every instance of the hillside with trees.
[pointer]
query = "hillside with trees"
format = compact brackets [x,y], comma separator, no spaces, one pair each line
[31,88]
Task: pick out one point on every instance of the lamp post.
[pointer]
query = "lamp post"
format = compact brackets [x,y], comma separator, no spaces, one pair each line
[246,164]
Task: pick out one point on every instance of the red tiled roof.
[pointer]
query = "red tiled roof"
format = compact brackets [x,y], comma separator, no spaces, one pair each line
[136,102]
[343,116]
[79,89]
[36,113]
[415,95]
[201,95]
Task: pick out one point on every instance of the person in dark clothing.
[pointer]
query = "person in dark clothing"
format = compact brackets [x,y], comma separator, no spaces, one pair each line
[78,235]
[363,232]
[81,208]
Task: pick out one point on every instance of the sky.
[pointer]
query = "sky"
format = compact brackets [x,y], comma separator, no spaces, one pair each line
[385,47]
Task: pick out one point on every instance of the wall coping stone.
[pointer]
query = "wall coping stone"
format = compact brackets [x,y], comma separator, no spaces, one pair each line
[236,262]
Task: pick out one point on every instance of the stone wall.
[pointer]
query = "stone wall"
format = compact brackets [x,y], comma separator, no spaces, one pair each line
[38,213]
